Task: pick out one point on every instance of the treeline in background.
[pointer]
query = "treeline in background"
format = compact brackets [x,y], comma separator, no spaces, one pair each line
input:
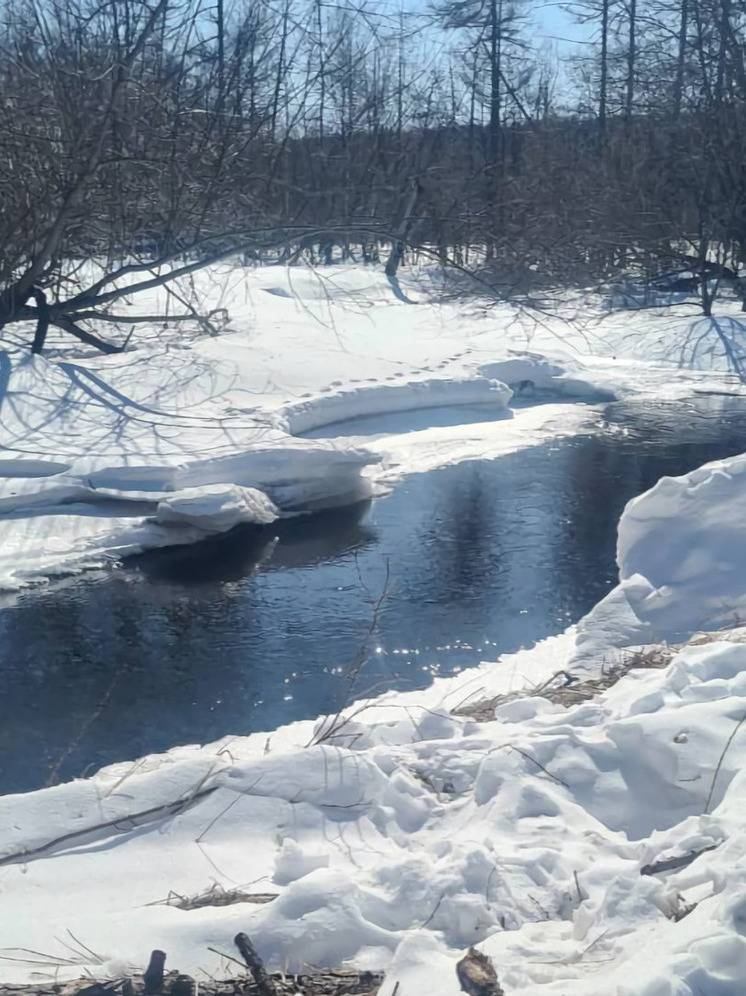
[138,133]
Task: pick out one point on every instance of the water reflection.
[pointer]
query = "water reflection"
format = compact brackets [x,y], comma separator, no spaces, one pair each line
[301,542]
[251,630]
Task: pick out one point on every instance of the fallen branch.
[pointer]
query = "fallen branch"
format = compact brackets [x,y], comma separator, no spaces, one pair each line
[673,864]
[169,809]
[69,326]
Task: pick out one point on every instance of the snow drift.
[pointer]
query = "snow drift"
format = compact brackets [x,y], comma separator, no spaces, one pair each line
[537,836]
[681,552]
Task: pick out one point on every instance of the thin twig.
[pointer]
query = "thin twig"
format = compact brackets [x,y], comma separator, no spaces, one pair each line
[227,957]
[435,909]
[339,721]
[530,757]
[738,726]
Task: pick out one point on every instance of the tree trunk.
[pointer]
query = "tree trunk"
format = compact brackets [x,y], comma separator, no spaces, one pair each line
[724,27]
[495,79]
[604,70]
[397,250]
[678,89]
[42,322]
[220,18]
[631,59]
[322,72]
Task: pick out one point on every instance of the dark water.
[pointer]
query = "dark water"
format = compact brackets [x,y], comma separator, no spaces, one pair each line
[253,630]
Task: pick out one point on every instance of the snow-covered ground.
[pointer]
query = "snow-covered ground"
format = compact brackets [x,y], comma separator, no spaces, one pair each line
[98,451]
[411,831]
[411,836]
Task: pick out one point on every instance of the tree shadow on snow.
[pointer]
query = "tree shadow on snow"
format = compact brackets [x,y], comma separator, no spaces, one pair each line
[709,335]
[398,292]
[4,377]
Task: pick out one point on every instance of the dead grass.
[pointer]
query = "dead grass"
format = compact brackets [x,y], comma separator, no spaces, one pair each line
[216,895]
[321,983]
[567,690]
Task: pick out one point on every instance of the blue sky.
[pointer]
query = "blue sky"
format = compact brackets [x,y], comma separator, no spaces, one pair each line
[555,22]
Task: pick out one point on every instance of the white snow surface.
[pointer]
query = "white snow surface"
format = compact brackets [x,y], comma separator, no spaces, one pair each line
[91,444]
[681,552]
[412,835]
[413,831]
[216,507]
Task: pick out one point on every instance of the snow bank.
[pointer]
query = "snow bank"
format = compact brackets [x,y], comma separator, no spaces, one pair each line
[100,469]
[682,562]
[532,836]
[537,372]
[82,433]
[303,416]
[97,448]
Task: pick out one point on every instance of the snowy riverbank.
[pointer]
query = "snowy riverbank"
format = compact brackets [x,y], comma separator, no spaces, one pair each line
[590,846]
[186,434]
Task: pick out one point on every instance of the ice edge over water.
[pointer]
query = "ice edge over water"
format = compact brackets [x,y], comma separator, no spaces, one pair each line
[64,517]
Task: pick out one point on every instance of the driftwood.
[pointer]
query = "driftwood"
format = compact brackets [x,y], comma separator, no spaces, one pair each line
[673,864]
[255,965]
[153,974]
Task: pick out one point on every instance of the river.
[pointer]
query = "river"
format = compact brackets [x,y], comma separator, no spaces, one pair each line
[255,629]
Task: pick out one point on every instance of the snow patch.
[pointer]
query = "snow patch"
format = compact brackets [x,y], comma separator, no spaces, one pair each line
[531,372]
[304,416]
[31,468]
[216,508]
